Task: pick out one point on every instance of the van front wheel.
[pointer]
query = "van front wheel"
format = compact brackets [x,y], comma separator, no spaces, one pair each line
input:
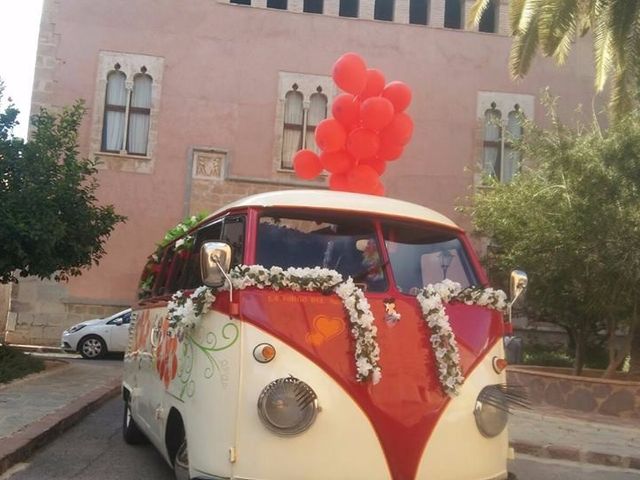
[181,462]
[130,431]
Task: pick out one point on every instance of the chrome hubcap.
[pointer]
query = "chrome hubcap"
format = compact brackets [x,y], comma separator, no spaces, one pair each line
[92,347]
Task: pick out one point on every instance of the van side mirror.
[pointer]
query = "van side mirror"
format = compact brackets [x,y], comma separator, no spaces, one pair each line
[215,260]
[517,284]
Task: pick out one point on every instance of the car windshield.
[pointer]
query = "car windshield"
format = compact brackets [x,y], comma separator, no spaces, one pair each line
[346,245]
[420,255]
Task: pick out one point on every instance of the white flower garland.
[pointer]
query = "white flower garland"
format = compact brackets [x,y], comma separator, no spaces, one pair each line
[184,312]
[445,348]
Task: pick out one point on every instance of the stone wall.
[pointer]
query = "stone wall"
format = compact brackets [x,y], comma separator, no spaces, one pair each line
[550,387]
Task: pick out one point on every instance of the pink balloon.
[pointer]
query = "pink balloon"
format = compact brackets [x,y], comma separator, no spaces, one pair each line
[337,162]
[330,135]
[363,143]
[399,130]
[338,182]
[346,110]
[307,164]
[376,113]
[399,94]
[374,85]
[350,73]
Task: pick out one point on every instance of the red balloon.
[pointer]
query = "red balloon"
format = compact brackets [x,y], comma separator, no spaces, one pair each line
[399,94]
[330,135]
[375,84]
[389,151]
[350,73]
[379,190]
[346,110]
[399,130]
[307,164]
[363,143]
[363,179]
[338,181]
[376,163]
[376,113]
[337,162]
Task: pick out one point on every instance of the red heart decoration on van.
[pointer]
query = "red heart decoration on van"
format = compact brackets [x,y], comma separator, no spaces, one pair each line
[325,328]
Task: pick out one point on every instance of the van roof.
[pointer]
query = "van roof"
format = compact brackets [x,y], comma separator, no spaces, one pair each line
[340,201]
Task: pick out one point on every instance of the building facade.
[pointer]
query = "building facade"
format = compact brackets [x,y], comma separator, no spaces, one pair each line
[194,104]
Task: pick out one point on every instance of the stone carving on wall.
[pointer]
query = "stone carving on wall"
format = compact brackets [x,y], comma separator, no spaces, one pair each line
[208,164]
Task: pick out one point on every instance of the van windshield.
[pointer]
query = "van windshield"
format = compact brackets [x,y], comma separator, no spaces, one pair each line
[346,245]
[420,255]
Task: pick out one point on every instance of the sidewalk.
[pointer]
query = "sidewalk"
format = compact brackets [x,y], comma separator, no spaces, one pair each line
[596,439]
[36,409]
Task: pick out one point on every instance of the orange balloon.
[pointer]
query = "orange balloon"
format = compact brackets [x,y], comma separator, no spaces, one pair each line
[363,179]
[388,151]
[307,164]
[379,190]
[399,94]
[350,73]
[330,135]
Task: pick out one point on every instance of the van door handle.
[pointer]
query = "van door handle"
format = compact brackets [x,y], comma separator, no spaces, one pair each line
[154,340]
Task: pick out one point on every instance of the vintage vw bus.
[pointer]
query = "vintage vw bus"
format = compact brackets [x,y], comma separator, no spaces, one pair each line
[316,353]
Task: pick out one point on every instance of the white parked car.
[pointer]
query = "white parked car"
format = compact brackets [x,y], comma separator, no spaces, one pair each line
[94,338]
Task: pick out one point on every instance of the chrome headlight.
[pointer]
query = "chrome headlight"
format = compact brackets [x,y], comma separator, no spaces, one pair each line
[75,328]
[491,411]
[287,406]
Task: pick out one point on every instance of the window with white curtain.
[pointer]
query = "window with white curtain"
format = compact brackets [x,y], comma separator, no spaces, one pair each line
[127,113]
[301,116]
[500,159]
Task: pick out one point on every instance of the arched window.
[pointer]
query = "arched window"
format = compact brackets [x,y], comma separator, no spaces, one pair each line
[139,115]
[115,106]
[293,126]
[489,18]
[317,113]
[453,14]
[418,11]
[383,10]
[513,134]
[348,8]
[492,141]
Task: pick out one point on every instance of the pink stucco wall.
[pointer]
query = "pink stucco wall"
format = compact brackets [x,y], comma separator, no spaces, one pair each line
[220,89]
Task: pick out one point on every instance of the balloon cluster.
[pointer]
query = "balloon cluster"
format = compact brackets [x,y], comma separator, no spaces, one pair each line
[369,127]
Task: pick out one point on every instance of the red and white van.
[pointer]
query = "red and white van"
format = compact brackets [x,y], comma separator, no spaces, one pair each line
[266,384]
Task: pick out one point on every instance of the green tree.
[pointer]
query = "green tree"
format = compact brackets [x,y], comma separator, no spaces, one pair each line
[572,221]
[50,222]
[552,26]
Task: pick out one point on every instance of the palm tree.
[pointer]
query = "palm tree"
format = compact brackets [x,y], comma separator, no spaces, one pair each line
[552,26]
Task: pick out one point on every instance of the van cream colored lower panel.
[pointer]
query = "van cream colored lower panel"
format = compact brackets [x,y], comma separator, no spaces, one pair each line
[341,444]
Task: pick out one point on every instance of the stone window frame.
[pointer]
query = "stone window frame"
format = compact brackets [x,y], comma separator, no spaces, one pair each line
[131,64]
[307,84]
[505,103]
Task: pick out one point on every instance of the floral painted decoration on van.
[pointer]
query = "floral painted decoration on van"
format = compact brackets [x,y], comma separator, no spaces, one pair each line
[432,299]
[185,311]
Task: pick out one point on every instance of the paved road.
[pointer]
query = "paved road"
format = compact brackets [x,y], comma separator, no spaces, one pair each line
[94,450]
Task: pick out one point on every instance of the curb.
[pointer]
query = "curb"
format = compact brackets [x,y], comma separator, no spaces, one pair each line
[20,445]
[574,454]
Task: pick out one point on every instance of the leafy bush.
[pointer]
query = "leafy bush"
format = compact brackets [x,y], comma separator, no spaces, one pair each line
[15,364]
[546,356]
